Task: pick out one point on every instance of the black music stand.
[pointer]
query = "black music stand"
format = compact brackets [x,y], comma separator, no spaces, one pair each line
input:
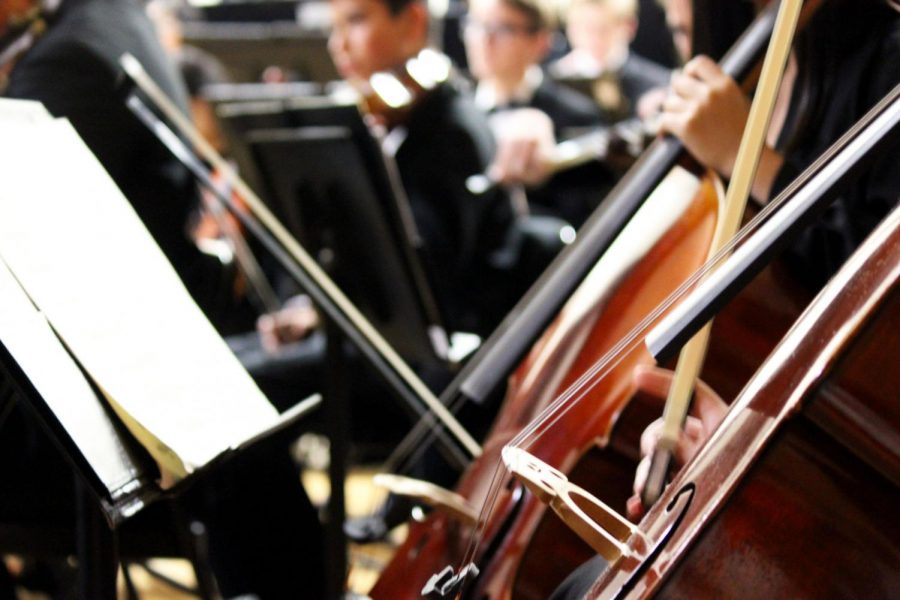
[331,188]
[334,192]
[247,49]
[114,474]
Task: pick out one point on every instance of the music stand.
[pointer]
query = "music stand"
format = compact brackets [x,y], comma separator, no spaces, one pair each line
[239,117]
[247,49]
[333,191]
[50,377]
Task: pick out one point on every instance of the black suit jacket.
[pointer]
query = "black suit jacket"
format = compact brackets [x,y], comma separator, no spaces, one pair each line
[864,75]
[573,194]
[447,141]
[569,110]
[73,69]
[638,76]
[617,92]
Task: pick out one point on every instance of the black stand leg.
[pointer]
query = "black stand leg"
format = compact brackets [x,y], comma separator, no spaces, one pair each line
[96,549]
[337,424]
[7,588]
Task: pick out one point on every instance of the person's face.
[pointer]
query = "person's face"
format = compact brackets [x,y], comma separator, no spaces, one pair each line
[366,38]
[680,20]
[501,42]
[598,31]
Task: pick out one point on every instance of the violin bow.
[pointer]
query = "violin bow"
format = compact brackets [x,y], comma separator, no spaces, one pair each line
[244,256]
[693,353]
[331,299]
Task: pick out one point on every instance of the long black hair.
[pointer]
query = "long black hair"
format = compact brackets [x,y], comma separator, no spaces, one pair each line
[838,28]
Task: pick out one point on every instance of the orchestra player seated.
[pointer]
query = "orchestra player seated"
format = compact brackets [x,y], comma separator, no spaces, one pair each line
[600,32]
[506,41]
[837,81]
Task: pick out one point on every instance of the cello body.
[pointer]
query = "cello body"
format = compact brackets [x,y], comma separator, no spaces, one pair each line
[795,495]
[614,297]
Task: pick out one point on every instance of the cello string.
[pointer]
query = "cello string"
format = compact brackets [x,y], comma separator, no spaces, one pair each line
[819,170]
[808,9]
[576,392]
[599,369]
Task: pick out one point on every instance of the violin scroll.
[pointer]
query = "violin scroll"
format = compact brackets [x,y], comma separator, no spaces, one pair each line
[390,95]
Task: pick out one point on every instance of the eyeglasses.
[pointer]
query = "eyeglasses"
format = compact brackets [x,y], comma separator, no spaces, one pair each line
[497,31]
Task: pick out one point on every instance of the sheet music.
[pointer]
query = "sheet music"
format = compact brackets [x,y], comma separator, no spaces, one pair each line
[22,111]
[28,338]
[84,257]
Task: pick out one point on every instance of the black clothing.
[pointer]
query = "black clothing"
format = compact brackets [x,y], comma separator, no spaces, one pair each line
[617,92]
[570,111]
[638,76]
[862,78]
[447,141]
[570,195]
[264,534]
[73,69]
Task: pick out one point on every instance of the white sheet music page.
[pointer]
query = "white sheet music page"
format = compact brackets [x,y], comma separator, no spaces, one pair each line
[84,257]
[29,339]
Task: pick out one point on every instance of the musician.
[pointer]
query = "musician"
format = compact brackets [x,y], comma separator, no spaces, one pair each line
[600,32]
[844,61]
[826,88]
[265,537]
[441,142]
[437,144]
[506,40]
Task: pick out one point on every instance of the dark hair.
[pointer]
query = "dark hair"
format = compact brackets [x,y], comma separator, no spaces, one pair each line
[541,14]
[395,7]
[836,30]
[717,25]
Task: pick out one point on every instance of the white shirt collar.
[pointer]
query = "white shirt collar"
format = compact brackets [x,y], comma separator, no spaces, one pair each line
[488,98]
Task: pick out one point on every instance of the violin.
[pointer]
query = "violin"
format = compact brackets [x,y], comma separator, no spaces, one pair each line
[389,96]
[21,23]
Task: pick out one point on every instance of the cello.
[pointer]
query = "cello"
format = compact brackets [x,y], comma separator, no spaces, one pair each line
[588,319]
[570,345]
[644,551]
[795,493]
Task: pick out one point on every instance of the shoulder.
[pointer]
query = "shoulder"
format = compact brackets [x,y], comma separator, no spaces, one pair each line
[566,107]
[448,119]
[645,71]
[87,39]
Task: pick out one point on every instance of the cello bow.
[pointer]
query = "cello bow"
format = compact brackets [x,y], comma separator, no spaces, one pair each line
[691,359]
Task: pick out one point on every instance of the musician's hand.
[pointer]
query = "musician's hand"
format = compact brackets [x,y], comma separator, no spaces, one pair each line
[707,110]
[290,324]
[650,104]
[707,411]
[525,142]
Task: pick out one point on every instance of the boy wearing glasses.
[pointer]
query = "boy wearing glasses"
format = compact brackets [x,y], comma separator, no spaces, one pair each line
[506,40]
